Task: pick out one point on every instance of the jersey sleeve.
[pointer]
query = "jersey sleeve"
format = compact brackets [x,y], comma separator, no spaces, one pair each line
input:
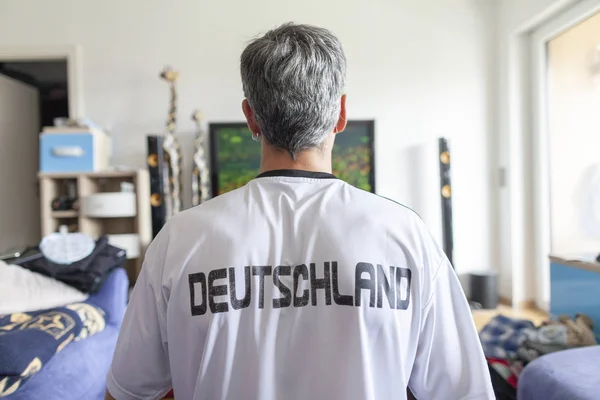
[450,363]
[140,366]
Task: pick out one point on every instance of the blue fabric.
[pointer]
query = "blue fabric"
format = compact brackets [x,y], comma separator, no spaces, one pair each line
[112,297]
[79,370]
[502,336]
[29,340]
[568,374]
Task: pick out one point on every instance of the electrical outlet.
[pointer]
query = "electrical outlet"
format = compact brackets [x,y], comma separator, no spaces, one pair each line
[502,177]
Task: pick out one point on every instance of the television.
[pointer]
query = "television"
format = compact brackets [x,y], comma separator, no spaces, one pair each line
[235,157]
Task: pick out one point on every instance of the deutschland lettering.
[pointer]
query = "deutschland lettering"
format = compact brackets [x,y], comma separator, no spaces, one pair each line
[373,284]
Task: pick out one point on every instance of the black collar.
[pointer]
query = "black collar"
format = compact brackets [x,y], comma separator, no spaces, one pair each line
[297,173]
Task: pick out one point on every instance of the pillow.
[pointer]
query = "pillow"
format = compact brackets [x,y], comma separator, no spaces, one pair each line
[22,291]
[28,341]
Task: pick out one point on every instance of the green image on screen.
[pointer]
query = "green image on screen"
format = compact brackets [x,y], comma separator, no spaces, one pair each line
[236,157]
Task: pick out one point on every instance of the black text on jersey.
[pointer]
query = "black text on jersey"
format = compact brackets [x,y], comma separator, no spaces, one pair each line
[371,284]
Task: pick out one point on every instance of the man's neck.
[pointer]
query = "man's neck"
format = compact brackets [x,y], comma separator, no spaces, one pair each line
[314,160]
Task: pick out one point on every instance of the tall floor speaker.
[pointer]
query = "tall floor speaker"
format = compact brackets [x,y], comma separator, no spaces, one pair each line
[446,198]
[157,165]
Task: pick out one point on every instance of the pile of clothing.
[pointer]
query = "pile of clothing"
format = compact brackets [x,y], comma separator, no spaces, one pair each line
[85,268]
[42,302]
[29,340]
[510,344]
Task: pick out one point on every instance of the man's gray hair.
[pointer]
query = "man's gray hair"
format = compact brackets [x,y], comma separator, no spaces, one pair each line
[293,78]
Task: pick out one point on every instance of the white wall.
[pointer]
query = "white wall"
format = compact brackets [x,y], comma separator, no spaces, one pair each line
[514,199]
[422,69]
[574,126]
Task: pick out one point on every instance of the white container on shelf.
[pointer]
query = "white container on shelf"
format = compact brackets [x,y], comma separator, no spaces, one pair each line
[109,205]
[130,242]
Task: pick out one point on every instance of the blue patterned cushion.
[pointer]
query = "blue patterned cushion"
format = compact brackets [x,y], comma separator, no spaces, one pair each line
[29,340]
[502,336]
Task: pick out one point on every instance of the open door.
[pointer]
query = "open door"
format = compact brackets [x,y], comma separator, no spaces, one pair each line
[19,162]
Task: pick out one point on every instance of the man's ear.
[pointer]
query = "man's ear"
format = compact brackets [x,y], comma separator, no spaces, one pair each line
[250,117]
[341,124]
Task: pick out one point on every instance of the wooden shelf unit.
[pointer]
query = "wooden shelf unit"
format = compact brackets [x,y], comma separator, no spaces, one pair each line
[51,185]
[64,214]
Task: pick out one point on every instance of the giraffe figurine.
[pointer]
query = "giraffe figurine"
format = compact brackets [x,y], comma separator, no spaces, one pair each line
[201,190]
[172,149]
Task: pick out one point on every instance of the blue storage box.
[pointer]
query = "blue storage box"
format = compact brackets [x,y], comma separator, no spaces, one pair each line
[575,288]
[69,150]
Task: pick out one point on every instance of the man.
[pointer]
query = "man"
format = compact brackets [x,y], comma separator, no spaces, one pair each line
[297,285]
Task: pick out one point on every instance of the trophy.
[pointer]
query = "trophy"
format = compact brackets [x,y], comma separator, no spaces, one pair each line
[200,171]
[173,181]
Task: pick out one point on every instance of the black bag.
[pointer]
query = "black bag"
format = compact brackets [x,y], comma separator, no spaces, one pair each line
[86,275]
[502,389]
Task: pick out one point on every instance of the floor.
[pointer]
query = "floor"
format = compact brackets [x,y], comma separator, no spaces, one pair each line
[482,317]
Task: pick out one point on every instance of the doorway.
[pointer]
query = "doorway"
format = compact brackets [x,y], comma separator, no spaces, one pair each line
[561,120]
[33,92]
[49,78]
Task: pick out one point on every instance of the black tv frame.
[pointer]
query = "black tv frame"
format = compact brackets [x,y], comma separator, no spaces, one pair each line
[214,128]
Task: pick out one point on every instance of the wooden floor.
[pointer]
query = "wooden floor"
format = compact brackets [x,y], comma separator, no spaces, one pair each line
[482,317]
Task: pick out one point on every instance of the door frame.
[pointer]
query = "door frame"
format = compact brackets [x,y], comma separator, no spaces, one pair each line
[539,89]
[70,53]
[528,230]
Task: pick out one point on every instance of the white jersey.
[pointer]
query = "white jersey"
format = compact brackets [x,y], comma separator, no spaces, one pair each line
[298,286]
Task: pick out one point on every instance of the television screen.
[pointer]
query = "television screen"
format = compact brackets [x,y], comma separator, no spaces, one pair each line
[235,157]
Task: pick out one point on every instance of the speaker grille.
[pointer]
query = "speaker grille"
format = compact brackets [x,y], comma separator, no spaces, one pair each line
[446,198]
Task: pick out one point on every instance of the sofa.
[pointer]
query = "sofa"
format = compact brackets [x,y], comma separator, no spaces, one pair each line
[568,374]
[79,370]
